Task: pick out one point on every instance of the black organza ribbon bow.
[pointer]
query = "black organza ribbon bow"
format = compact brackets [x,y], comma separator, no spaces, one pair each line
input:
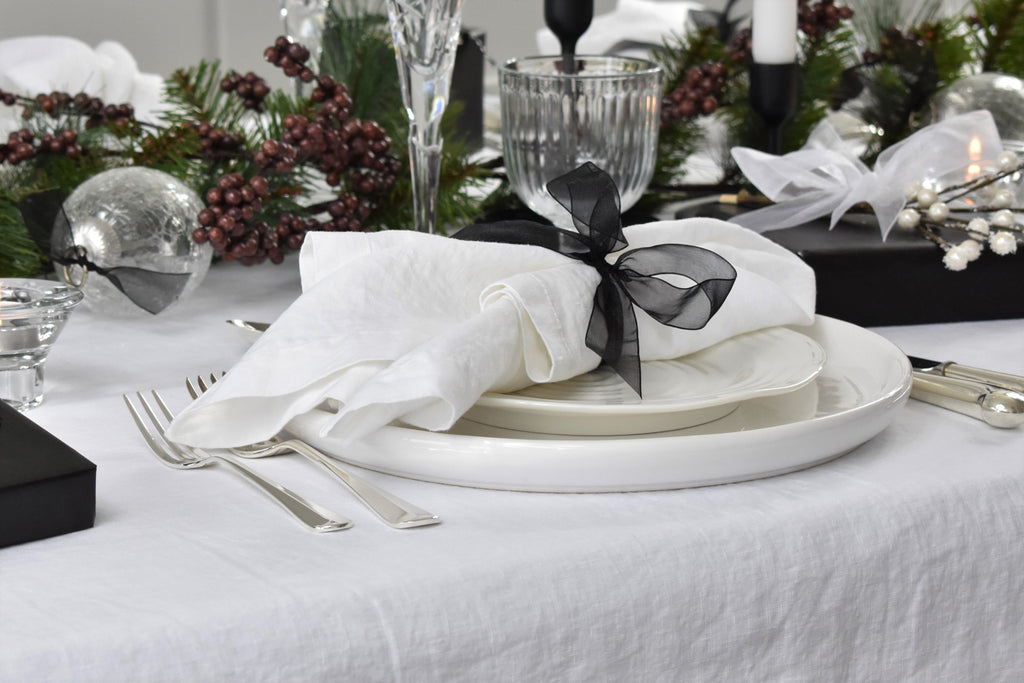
[49,228]
[636,277]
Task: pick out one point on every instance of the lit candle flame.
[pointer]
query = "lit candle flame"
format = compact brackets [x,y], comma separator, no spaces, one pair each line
[974,154]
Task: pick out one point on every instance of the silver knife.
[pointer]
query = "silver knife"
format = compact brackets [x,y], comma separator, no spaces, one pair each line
[950,369]
[996,405]
[249,325]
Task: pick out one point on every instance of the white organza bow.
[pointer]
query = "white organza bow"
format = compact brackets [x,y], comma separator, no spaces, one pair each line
[826,177]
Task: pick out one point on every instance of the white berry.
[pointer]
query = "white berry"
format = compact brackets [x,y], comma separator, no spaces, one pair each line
[908,219]
[1003,243]
[1008,161]
[1003,218]
[971,249]
[926,197]
[911,190]
[955,259]
[1003,199]
[938,212]
[978,226]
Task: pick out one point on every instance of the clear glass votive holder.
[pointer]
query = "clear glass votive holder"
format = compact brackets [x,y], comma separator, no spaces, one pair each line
[32,315]
[607,112]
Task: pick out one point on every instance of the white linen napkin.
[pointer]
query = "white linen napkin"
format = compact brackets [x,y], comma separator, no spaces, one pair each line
[31,65]
[633,28]
[400,325]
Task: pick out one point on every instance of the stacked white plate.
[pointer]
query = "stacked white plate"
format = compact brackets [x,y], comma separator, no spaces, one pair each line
[757,405]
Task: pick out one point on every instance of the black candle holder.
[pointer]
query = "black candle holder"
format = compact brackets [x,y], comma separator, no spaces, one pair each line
[774,96]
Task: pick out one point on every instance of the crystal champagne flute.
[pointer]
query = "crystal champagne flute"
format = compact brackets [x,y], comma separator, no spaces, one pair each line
[426,34]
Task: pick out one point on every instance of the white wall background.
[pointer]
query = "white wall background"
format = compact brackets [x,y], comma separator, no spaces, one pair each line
[167,34]
[170,34]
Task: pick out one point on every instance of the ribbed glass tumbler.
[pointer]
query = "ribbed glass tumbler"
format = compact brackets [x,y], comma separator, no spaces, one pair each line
[607,113]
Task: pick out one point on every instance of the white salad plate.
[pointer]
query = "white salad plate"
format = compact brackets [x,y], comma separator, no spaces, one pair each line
[865,381]
[677,393]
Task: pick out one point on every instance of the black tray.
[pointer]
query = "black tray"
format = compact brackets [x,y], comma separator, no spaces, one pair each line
[901,281]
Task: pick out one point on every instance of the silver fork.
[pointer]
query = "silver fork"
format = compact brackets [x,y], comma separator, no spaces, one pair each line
[394,511]
[184,457]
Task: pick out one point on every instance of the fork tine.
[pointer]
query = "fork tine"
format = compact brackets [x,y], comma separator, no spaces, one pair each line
[203,386]
[309,513]
[147,432]
[163,407]
[192,390]
[179,452]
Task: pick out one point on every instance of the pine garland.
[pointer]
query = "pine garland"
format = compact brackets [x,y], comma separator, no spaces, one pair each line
[1000,35]
[882,65]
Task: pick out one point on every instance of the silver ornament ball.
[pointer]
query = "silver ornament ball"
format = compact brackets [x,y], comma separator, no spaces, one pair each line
[139,217]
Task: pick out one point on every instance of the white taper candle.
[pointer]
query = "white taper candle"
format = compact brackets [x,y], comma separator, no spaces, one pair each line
[773,28]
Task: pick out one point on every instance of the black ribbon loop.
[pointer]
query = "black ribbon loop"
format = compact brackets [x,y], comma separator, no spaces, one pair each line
[49,228]
[637,277]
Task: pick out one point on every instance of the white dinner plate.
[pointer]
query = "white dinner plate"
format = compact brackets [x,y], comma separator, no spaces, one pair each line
[866,379]
[678,393]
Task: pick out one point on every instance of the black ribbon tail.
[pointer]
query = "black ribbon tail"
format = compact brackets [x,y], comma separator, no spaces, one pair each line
[40,211]
[612,332]
[149,290]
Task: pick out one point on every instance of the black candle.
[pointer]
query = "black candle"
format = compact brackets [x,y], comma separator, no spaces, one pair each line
[774,73]
[568,20]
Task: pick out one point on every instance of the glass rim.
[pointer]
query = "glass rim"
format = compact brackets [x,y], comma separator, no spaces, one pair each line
[648,67]
[47,296]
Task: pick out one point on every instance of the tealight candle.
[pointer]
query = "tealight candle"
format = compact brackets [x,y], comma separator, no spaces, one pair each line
[773,31]
[32,314]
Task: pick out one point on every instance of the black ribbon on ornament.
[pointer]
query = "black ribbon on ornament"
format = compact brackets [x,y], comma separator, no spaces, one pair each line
[636,277]
[49,227]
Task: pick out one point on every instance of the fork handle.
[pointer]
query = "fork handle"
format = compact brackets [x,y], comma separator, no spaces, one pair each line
[306,511]
[395,512]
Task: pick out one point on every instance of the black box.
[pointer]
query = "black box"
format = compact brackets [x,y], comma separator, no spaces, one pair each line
[901,281]
[46,488]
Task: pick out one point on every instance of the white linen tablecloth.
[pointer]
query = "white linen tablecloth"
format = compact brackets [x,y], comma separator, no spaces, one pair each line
[899,561]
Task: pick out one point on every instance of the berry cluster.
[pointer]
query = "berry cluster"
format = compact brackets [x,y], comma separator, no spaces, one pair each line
[20,145]
[332,96]
[820,18]
[228,221]
[353,155]
[347,213]
[93,108]
[741,47]
[894,45]
[214,140]
[275,156]
[698,94]
[291,58]
[250,87]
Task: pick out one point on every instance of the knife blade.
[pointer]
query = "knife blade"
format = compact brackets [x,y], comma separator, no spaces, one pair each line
[1002,380]
[249,325]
